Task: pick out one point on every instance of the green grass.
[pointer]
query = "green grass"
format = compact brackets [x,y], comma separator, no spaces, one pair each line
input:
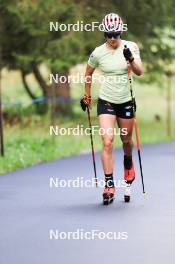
[27,145]
[28,141]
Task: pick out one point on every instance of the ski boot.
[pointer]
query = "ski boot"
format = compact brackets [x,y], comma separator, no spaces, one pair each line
[108,195]
[129,176]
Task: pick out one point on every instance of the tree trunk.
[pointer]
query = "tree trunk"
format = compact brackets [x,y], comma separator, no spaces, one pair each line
[1,124]
[168,105]
[61,93]
[26,86]
[40,80]
[57,93]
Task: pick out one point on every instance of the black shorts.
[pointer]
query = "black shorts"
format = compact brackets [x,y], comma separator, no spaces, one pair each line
[124,110]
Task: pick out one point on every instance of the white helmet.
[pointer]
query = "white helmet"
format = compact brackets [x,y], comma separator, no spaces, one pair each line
[112,23]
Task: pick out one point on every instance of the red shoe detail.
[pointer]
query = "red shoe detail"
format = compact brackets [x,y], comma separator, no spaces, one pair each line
[129,175]
[109,190]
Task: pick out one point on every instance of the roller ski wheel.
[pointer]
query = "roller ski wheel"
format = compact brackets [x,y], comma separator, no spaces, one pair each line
[108,195]
[127,194]
[127,198]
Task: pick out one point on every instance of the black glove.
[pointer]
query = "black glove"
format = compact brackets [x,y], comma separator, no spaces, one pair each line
[128,54]
[85,102]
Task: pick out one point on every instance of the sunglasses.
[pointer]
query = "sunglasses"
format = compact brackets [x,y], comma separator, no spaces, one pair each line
[115,35]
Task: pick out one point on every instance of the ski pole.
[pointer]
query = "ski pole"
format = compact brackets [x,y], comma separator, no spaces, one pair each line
[92,147]
[135,125]
[139,153]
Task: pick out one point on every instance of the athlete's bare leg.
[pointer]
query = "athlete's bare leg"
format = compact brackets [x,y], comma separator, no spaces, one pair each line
[107,121]
[126,139]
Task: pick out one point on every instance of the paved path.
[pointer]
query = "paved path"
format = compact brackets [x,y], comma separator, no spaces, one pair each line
[29,209]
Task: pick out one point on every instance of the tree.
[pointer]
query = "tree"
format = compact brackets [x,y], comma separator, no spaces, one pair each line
[29,42]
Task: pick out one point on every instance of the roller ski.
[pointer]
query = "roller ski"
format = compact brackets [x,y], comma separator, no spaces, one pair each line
[129,176]
[108,195]
[127,193]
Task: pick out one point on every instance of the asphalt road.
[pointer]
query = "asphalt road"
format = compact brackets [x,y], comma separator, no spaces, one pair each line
[31,211]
